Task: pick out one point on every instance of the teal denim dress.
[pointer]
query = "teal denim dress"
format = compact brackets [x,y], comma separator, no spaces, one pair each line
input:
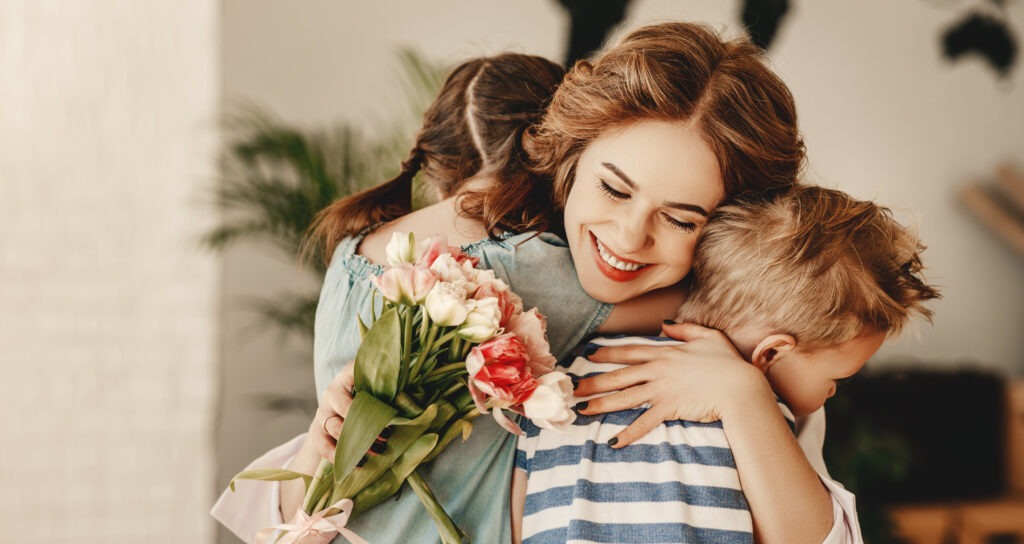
[471,479]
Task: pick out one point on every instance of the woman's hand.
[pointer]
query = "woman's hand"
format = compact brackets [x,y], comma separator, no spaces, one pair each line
[701,380]
[330,414]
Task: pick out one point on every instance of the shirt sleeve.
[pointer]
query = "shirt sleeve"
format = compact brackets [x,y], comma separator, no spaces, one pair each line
[810,434]
[254,505]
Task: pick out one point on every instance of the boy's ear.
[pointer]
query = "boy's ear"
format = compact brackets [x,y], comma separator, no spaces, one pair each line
[770,350]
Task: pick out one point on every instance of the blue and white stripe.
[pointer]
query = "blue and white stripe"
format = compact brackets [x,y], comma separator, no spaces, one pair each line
[677,484]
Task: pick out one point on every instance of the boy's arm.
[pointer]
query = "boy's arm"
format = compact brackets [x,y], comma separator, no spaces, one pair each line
[518,504]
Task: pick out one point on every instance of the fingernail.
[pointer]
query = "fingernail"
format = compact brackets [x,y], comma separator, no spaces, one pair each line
[581,405]
[575,381]
[590,350]
[378,447]
[613,440]
[669,322]
[362,461]
[386,432]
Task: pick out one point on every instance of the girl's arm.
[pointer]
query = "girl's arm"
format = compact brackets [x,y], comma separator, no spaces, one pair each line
[706,380]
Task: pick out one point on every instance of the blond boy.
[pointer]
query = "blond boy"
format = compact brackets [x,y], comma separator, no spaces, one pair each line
[807,286]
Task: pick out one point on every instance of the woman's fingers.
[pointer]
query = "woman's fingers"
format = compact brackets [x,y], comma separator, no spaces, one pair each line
[338,395]
[612,381]
[688,332]
[332,425]
[320,433]
[642,425]
[627,398]
[629,355]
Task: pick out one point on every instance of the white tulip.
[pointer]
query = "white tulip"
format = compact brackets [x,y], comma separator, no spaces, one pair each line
[446,304]
[550,405]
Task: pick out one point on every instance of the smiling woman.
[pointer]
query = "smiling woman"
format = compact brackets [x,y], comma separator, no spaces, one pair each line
[642,192]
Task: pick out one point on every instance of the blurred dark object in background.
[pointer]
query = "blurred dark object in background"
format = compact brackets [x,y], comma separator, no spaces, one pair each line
[953,425]
[984,35]
[589,24]
[762,19]
[917,436]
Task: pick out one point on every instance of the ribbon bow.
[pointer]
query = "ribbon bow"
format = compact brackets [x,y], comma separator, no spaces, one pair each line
[316,529]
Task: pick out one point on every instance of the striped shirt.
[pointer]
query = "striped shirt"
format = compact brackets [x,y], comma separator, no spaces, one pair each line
[677,484]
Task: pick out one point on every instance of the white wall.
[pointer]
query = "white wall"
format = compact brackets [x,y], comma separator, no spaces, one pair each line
[107,307]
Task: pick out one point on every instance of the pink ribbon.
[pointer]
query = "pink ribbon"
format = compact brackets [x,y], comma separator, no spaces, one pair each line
[315,529]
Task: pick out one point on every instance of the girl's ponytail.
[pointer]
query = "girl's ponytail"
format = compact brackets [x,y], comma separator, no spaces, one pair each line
[355,213]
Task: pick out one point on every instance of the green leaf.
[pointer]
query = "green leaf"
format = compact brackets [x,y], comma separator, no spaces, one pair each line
[363,329]
[269,475]
[379,358]
[393,478]
[367,418]
[405,433]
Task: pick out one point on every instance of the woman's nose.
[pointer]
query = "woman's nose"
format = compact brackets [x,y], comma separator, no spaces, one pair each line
[632,235]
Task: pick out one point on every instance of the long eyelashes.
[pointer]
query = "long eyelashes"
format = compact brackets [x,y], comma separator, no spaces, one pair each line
[612,193]
[681,225]
[619,196]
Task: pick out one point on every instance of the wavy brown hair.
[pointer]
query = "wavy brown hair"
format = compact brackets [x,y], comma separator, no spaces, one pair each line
[678,72]
[474,126]
[813,262]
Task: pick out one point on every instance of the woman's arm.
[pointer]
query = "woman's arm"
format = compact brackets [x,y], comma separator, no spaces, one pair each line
[705,380]
[643,315]
[320,440]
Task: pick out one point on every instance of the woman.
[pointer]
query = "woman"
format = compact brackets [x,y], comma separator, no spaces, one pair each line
[667,123]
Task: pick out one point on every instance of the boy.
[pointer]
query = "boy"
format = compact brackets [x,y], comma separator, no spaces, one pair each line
[807,286]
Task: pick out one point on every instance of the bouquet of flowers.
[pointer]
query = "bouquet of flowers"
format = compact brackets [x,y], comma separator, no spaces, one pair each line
[450,342]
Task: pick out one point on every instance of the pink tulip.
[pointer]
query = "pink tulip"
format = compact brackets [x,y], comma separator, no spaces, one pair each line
[498,373]
[508,302]
[405,283]
[531,328]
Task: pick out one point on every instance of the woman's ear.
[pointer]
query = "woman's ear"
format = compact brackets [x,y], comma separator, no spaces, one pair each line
[770,350]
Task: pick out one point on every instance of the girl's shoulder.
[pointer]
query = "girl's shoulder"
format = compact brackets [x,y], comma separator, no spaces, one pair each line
[346,259]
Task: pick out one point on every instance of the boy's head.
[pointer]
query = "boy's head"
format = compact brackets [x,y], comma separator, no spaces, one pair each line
[807,285]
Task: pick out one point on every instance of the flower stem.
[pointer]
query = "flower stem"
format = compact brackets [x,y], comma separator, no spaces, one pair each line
[450,533]
[317,486]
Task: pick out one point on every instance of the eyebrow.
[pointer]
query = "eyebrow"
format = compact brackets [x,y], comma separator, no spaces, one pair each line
[632,185]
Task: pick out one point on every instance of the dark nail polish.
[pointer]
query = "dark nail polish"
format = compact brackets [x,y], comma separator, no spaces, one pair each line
[613,440]
[386,432]
[362,461]
[581,405]
[590,350]
[378,447]
[575,381]
[670,322]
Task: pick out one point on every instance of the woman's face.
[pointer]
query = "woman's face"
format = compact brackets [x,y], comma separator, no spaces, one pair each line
[641,194]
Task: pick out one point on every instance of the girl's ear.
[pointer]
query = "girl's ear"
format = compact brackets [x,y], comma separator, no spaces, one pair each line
[772,349]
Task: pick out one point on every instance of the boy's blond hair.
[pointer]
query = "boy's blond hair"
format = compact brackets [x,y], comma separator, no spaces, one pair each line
[813,262]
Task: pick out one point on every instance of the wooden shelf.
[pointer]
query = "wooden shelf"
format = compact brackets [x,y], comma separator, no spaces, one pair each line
[999,205]
[962,522]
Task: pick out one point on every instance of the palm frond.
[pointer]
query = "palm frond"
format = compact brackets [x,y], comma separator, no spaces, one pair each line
[275,177]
